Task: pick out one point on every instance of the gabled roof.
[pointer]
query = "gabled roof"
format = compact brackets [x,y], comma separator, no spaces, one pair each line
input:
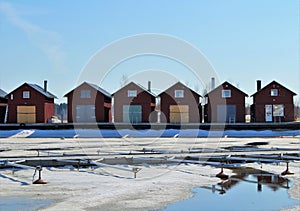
[229,84]
[94,86]
[274,82]
[2,93]
[138,85]
[181,84]
[42,91]
[38,89]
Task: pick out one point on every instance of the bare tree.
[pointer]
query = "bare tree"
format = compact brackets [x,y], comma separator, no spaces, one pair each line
[124,80]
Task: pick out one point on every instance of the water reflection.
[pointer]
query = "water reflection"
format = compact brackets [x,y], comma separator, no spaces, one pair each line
[247,189]
[249,175]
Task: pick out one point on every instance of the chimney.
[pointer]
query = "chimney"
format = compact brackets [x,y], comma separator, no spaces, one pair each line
[258,85]
[213,83]
[149,86]
[45,86]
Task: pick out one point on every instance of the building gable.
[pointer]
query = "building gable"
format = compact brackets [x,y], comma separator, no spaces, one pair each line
[39,90]
[274,85]
[226,86]
[178,86]
[92,86]
[132,87]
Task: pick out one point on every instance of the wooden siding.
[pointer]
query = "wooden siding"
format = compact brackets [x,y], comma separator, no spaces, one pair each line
[215,99]
[36,99]
[101,102]
[263,98]
[190,99]
[143,98]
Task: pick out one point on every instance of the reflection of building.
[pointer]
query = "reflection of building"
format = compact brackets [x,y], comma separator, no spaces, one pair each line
[3,106]
[134,104]
[259,177]
[225,103]
[30,103]
[273,103]
[180,104]
[89,103]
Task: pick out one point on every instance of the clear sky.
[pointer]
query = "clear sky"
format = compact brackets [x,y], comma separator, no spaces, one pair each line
[244,40]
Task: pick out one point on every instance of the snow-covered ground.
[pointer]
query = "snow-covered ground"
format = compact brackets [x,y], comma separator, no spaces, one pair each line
[108,188]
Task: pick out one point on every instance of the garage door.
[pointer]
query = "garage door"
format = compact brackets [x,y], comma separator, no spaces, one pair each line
[179,113]
[85,113]
[132,113]
[226,113]
[26,114]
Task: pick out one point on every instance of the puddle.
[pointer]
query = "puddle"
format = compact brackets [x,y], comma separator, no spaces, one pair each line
[10,203]
[253,190]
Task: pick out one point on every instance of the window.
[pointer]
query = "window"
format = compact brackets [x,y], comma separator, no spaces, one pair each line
[11,97]
[85,94]
[132,93]
[274,92]
[179,94]
[278,110]
[26,94]
[226,93]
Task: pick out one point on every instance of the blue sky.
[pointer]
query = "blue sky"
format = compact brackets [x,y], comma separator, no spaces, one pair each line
[244,40]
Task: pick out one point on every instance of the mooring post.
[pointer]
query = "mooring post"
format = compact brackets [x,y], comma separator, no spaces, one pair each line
[39,180]
[287,171]
[135,171]
[78,165]
[222,175]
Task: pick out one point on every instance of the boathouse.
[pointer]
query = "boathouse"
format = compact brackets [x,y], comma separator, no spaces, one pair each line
[225,104]
[273,103]
[134,104]
[180,104]
[30,103]
[89,103]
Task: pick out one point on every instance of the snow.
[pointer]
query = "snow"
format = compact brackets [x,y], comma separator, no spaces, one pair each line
[108,188]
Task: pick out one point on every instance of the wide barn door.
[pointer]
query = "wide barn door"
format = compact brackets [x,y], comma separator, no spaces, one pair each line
[132,113]
[226,113]
[26,114]
[179,113]
[85,113]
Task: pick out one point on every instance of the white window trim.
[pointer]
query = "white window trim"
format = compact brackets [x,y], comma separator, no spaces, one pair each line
[179,93]
[274,92]
[85,93]
[226,93]
[132,93]
[26,94]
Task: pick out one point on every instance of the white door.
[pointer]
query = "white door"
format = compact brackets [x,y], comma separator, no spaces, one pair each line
[268,113]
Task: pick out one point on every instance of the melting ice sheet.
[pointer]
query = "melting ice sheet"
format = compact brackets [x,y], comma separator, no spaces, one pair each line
[10,203]
[246,193]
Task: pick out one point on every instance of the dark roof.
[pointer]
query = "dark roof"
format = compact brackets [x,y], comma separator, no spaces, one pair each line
[274,82]
[138,85]
[2,93]
[107,94]
[181,85]
[224,83]
[38,89]
[104,92]
[42,91]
